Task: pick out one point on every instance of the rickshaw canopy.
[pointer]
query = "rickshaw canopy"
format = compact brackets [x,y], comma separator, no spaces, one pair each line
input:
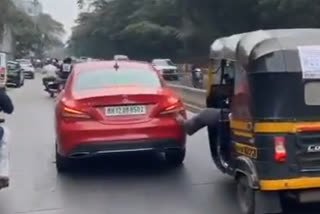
[278,48]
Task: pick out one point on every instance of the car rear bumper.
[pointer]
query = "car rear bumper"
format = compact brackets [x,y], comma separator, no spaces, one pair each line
[153,135]
[170,75]
[87,150]
[13,79]
[28,74]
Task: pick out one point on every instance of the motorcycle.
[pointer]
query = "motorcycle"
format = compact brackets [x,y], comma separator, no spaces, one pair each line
[55,87]
[4,158]
[197,80]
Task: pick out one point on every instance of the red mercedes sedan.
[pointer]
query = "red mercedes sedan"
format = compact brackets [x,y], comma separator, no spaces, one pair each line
[113,107]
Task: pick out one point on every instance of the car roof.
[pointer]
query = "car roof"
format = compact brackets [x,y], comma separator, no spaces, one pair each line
[13,62]
[87,66]
[161,59]
[23,61]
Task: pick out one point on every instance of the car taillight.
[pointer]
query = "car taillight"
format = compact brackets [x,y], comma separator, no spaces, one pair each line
[280,152]
[72,113]
[3,73]
[173,106]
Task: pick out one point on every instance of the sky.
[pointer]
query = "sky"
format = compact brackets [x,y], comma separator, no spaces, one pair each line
[64,11]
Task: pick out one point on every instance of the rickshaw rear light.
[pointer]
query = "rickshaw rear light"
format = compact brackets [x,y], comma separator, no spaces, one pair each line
[280,152]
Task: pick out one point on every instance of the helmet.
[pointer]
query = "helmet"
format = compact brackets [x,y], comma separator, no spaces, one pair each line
[67,60]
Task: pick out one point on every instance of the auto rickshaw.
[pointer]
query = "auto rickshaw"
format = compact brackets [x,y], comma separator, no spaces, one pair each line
[267,85]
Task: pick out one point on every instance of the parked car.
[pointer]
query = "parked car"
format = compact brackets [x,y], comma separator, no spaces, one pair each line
[27,67]
[167,68]
[121,57]
[3,69]
[113,109]
[15,74]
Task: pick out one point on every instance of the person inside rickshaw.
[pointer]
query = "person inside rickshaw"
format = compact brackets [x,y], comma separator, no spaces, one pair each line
[220,102]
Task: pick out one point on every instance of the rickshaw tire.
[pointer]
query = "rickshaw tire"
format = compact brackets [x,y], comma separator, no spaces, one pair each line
[245,195]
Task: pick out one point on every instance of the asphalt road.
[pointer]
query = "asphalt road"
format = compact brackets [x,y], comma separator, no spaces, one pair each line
[136,184]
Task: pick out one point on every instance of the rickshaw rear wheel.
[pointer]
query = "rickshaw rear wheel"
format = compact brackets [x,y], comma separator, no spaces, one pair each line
[245,196]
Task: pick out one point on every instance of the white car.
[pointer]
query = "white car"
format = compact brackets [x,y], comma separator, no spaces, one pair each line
[3,69]
[27,67]
[120,57]
[167,68]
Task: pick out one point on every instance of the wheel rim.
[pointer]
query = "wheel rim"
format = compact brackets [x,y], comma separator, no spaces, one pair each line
[245,197]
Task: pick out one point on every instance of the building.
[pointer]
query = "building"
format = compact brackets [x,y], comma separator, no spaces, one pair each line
[31,7]
[7,41]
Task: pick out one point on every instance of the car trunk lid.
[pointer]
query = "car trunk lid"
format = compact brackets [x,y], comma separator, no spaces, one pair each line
[121,104]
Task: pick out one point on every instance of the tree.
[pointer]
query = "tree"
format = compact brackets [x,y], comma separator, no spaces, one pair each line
[180,28]
[31,33]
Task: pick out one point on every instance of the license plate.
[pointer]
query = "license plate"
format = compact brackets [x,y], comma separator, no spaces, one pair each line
[126,110]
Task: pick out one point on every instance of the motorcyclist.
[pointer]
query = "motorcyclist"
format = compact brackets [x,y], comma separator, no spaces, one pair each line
[65,68]
[5,102]
[196,76]
[61,75]
[51,76]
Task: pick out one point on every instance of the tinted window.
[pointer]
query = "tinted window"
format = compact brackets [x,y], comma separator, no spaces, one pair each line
[108,78]
[12,66]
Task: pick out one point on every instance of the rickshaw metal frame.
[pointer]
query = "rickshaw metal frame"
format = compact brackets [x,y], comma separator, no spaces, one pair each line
[245,49]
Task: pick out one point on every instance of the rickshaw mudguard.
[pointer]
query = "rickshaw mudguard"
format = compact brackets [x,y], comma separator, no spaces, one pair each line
[265,202]
[244,166]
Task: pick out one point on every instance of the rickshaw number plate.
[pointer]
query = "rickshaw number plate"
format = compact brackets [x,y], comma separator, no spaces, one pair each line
[310,61]
[246,150]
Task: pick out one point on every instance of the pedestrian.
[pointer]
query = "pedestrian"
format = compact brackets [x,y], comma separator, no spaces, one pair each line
[7,107]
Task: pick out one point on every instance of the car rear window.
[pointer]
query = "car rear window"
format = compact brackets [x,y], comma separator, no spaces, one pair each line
[12,66]
[122,77]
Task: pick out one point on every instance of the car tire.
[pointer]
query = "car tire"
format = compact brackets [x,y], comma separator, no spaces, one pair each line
[175,157]
[18,84]
[245,196]
[62,163]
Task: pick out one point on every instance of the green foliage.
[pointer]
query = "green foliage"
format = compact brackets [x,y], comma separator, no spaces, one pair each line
[179,28]
[34,34]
